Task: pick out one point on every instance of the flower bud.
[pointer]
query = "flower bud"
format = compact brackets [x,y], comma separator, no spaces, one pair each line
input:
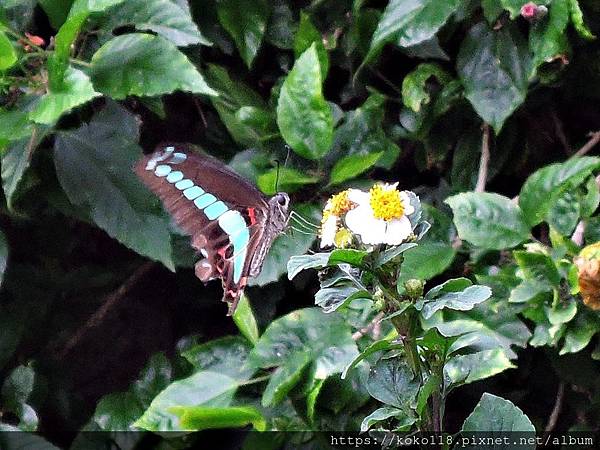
[533,12]
[414,288]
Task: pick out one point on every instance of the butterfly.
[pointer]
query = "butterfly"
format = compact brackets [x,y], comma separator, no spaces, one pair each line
[231,223]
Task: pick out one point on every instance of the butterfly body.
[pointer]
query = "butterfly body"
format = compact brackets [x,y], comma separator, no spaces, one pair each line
[232,224]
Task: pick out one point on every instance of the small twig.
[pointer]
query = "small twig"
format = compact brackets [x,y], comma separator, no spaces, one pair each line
[360,333]
[560,133]
[108,303]
[594,139]
[558,404]
[485,159]
[200,112]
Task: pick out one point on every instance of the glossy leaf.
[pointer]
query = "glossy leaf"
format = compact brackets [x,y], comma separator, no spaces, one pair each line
[76,90]
[463,300]
[494,67]
[466,369]
[543,187]
[548,39]
[488,220]
[485,418]
[391,381]
[245,320]
[306,35]
[169,19]
[352,166]
[410,22]
[134,64]
[246,22]
[379,415]
[425,261]
[297,264]
[287,179]
[303,116]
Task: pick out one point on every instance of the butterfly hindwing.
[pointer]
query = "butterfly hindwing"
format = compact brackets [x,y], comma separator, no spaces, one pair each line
[223,213]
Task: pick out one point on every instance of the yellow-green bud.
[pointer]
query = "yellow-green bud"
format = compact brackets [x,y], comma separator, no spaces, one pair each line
[414,288]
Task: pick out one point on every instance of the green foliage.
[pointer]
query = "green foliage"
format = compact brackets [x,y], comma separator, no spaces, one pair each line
[310,98]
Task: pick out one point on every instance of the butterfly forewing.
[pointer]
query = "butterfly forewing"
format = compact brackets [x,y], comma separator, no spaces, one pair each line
[223,213]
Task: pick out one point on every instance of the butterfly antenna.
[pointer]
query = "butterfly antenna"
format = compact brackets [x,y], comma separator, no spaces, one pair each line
[298,218]
[287,155]
[303,231]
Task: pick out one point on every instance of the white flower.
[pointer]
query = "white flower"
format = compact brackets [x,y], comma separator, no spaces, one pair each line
[381,215]
[328,230]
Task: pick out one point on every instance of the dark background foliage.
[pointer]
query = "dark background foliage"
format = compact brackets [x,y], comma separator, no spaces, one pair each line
[83,308]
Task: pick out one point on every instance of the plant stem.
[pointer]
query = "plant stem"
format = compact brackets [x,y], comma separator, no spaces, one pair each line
[485,159]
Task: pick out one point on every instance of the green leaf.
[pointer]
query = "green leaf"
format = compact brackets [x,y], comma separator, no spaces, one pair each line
[93,164]
[484,418]
[494,67]
[298,263]
[414,86]
[361,133]
[543,188]
[564,214]
[284,248]
[246,22]
[332,298]
[391,381]
[144,65]
[306,35]
[578,22]
[580,332]
[284,378]
[491,10]
[92,6]
[306,337]
[76,90]
[169,19]
[116,412]
[17,388]
[489,325]
[548,39]
[203,388]
[538,267]
[8,55]
[466,369]
[198,418]
[488,220]
[352,166]
[304,117]
[425,261]
[245,320]
[287,179]
[463,300]
[379,415]
[56,10]
[410,22]
[227,355]
[393,253]
[349,256]
[377,346]
[58,61]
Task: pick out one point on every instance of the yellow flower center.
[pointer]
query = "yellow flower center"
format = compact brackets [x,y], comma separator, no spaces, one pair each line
[337,205]
[343,238]
[386,203]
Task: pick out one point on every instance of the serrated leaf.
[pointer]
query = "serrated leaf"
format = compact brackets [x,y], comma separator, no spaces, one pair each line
[303,116]
[94,166]
[410,22]
[168,19]
[76,90]
[306,339]
[488,220]
[543,187]
[497,415]
[246,22]
[465,369]
[494,67]
[391,381]
[144,65]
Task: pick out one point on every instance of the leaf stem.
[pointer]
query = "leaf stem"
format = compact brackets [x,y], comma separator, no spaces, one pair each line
[485,159]
[80,62]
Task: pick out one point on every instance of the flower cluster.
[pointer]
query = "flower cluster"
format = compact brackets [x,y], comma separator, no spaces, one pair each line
[380,216]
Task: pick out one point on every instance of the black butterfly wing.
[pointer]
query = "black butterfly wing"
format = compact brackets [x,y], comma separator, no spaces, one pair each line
[223,213]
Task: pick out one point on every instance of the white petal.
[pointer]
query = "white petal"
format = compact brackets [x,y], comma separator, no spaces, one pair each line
[357,196]
[328,230]
[408,208]
[358,219]
[396,231]
[374,232]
